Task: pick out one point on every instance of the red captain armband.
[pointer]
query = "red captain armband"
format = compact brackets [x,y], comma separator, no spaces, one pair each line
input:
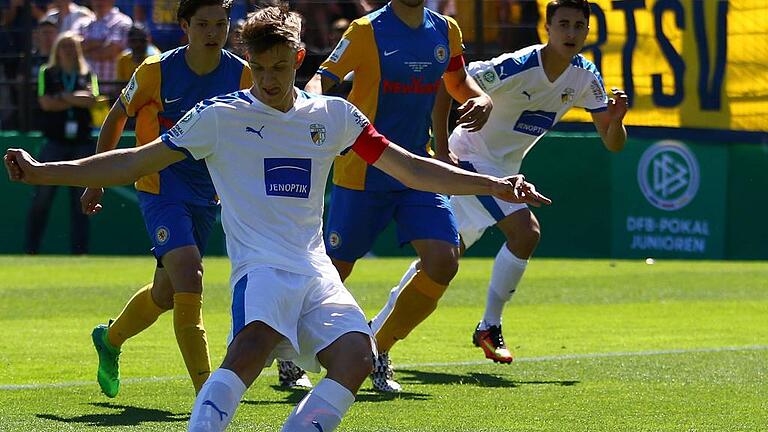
[456,63]
[370,144]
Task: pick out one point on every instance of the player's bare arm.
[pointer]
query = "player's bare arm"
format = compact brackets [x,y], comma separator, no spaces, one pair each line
[109,136]
[320,84]
[476,105]
[421,173]
[112,168]
[440,112]
[610,123]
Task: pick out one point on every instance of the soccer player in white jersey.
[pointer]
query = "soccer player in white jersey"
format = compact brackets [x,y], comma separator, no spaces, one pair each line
[269,151]
[531,90]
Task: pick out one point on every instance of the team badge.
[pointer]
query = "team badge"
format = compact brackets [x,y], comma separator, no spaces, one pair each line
[441,53]
[317,133]
[334,240]
[162,235]
[567,95]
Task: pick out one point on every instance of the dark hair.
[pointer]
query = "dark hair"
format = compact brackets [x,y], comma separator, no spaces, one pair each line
[187,8]
[554,5]
[138,31]
[271,26]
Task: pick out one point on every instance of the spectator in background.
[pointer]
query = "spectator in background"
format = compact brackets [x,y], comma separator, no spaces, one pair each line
[104,39]
[15,26]
[66,13]
[66,89]
[43,38]
[159,16]
[139,48]
[234,43]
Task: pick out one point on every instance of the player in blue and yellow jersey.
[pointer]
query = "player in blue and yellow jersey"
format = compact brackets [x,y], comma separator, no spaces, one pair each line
[400,55]
[179,203]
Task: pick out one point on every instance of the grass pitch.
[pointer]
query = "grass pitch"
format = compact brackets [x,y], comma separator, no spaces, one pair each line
[600,346]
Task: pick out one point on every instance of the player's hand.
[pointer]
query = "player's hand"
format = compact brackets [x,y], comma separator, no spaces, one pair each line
[475,112]
[618,105]
[90,201]
[516,190]
[21,167]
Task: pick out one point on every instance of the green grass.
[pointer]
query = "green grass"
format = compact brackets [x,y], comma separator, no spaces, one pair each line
[601,346]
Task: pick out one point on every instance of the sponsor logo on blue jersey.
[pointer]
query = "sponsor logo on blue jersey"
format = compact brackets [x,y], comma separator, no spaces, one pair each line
[535,123]
[288,177]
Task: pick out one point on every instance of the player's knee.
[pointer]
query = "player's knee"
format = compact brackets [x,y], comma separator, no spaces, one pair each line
[441,265]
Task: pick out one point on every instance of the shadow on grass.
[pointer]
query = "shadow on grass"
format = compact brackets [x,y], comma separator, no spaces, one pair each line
[293,396]
[406,376]
[126,416]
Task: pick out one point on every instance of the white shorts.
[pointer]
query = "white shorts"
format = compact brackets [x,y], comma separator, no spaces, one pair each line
[474,213]
[311,312]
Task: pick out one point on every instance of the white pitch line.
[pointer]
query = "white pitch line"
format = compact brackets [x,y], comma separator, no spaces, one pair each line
[419,365]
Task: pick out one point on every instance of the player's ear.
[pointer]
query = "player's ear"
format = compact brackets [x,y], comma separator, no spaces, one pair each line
[184,24]
[300,55]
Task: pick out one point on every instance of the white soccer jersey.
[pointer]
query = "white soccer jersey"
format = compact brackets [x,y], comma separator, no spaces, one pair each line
[270,169]
[525,104]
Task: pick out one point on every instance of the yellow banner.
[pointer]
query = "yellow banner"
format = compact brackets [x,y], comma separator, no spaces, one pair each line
[684,63]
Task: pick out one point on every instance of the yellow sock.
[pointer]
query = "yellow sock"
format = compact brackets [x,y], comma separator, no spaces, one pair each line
[190,335]
[416,302]
[139,313]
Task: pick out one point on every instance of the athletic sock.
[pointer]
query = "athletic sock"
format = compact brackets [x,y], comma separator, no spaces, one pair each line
[190,335]
[378,320]
[507,272]
[321,409]
[138,314]
[416,301]
[217,402]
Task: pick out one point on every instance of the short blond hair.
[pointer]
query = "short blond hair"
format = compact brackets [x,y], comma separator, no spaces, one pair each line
[271,26]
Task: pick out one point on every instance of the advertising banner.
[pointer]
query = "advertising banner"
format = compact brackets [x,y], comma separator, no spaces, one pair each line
[669,199]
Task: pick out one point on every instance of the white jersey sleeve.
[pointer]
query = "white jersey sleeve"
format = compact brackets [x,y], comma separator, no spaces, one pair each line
[485,74]
[196,134]
[593,96]
[354,123]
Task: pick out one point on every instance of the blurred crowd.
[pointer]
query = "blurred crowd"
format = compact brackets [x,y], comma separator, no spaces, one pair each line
[117,35]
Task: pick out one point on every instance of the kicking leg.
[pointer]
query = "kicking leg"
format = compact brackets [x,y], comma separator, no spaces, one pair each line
[220,396]
[348,361]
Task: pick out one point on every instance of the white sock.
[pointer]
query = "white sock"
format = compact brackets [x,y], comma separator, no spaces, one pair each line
[217,401]
[507,272]
[380,317]
[321,409]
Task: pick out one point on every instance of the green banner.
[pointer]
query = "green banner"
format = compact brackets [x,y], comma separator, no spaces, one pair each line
[668,200]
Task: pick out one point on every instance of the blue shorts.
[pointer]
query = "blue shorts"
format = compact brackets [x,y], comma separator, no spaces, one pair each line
[356,218]
[172,224]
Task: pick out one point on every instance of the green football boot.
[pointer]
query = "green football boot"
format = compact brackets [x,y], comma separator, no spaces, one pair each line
[108,374]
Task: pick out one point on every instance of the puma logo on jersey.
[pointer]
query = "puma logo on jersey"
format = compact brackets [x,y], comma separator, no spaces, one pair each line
[257,132]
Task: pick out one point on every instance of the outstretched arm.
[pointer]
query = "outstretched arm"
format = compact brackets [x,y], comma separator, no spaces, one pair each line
[116,167]
[428,174]
[610,123]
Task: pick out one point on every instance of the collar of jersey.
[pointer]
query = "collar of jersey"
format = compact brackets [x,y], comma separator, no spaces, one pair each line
[272,111]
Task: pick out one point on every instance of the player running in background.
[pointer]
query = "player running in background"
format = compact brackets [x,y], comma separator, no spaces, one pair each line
[178,203]
[531,89]
[287,298]
[399,54]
